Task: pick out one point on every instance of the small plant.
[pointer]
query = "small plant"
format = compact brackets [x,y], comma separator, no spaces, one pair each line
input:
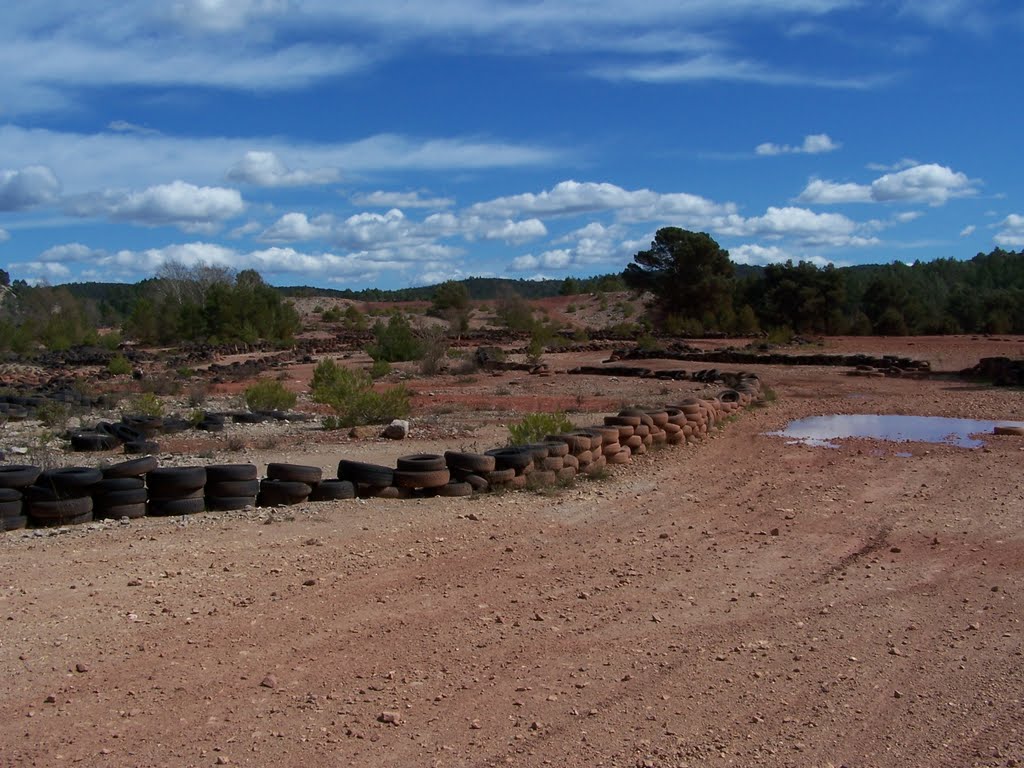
[53,414]
[147,404]
[434,349]
[534,427]
[161,385]
[119,365]
[196,417]
[332,315]
[349,392]
[111,340]
[197,393]
[379,369]
[269,395]
[236,443]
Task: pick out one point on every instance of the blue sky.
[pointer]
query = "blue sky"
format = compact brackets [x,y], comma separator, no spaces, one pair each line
[387,143]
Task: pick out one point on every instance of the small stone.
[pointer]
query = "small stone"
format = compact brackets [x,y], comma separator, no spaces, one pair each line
[396,430]
[897,694]
[895,550]
[51,699]
[269,682]
[974,626]
[221,760]
[390,717]
[309,583]
[80,667]
[774,531]
[475,725]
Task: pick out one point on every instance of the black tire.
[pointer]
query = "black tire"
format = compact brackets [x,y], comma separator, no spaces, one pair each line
[219,473]
[60,509]
[233,488]
[333,490]
[70,481]
[93,441]
[119,498]
[453,490]
[366,474]
[477,483]
[500,476]
[14,523]
[9,494]
[210,426]
[149,426]
[18,475]
[110,484]
[229,503]
[249,418]
[126,433]
[131,511]
[283,492]
[168,507]
[421,462]
[131,468]
[469,462]
[295,473]
[429,479]
[514,457]
[136,447]
[174,426]
[11,508]
[198,493]
[173,481]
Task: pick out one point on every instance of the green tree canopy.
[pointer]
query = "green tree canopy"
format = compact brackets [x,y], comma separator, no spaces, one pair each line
[689,274]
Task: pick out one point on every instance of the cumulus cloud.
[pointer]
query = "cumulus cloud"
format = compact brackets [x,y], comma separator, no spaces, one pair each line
[928,183]
[294,226]
[508,230]
[265,169]
[4,235]
[968,230]
[30,187]
[1011,234]
[899,165]
[180,204]
[569,198]
[801,224]
[380,199]
[813,144]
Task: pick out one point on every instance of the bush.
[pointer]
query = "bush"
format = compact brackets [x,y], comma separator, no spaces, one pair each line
[269,395]
[379,369]
[53,414]
[119,365]
[396,341]
[147,404]
[349,392]
[534,427]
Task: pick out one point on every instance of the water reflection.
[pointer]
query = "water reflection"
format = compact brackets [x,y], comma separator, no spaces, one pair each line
[820,430]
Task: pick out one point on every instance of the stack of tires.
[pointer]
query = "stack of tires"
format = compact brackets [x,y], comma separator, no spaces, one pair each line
[231,486]
[675,427]
[212,422]
[473,469]
[122,491]
[287,484]
[61,496]
[696,414]
[14,479]
[370,480]
[512,465]
[427,474]
[176,490]
[99,438]
[585,449]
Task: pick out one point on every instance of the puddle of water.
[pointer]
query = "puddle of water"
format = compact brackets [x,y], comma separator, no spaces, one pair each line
[820,430]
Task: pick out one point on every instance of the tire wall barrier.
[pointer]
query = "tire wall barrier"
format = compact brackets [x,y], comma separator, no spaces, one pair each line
[139,487]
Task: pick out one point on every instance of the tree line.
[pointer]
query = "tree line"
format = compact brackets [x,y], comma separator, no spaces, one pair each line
[697,289]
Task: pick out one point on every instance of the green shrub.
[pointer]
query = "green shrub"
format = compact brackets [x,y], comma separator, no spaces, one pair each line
[269,395]
[534,427]
[53,414]
[782,335]
[349,392]
[148,404]
[332,315]
[119,365]
[111,340]
[396,341]
[379,369]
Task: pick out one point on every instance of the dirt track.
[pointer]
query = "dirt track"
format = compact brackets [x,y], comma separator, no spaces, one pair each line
[741,602]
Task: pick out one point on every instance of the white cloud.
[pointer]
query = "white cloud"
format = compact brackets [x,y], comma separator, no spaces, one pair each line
[804,226]
[754,254]
[508,230]
[4,235]
[899,165]
[929,183]
[87,162]
[123,126]
[968,230]
[813,144]
[192,208]
[906,217]
[1012,233]
[380,199]
[569,198]
[265,169]
[30,187]
[295,226]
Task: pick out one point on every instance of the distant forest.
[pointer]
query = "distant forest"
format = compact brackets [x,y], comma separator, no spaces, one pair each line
[984,294]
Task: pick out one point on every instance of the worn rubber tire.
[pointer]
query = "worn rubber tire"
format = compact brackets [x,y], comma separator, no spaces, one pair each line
[10,494]
[622,421]
[13,523]
[70,480]
[110,484]
[287,492]
[131,468]
[421,462]
[295,473]
[478,463]
[513,457]
[232,488]
[11,508]
[59,508]
[455,490]
[131,511]
[170,507]
[175,481]
[333,490]
[476,482]
[124,432]
[362,473]
[93,441]
[416,479]
[219,473]
[229,503]
[18,475]
[119,498]
[500,476]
